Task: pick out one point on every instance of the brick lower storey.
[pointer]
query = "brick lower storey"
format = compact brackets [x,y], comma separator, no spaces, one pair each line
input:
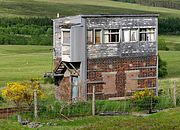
[120,75]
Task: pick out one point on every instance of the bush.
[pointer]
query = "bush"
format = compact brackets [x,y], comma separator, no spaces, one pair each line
[162,68]
[145,100]
[1,99]
[162,44]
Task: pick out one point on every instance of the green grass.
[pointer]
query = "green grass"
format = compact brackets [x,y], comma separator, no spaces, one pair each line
[19,63]
[29,8]
[23,62]
[172,41]
[173,61]
[164,120]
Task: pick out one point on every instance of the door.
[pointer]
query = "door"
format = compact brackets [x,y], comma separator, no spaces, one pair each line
[74,89]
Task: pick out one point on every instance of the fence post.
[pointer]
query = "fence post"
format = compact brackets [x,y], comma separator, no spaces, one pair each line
[174,93]
[93,101]
[35,104]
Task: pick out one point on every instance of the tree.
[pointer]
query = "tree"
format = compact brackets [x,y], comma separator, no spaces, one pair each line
[20,93]
[162,68]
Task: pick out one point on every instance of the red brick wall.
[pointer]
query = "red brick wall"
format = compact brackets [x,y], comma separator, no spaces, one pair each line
[63,91]
[120,65]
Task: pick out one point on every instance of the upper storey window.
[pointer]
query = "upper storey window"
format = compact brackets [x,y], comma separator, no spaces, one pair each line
[111,36]
[98,36]
[90,36]
[129,35]
[66,36]
[147,34]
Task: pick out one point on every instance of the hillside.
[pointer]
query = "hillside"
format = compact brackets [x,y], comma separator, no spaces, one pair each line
[174,4]
[32,8]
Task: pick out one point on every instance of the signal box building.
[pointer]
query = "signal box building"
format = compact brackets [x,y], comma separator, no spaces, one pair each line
[117,54]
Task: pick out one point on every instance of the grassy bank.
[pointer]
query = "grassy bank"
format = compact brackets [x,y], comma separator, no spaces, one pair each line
[165,120]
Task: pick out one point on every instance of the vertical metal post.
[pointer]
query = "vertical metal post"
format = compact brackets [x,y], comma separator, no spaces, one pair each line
[174,93]
[93,101]
[157,62]
[35,104]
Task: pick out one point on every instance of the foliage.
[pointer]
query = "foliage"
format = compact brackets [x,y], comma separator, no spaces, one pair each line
[145,99]
[21,93]
[1,99]
[18,31]
[174,4]
[49,80]
[157,121]
[162,44]
[169,26]
[162,68]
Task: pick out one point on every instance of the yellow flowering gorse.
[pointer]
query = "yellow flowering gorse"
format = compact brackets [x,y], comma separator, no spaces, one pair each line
[22,92]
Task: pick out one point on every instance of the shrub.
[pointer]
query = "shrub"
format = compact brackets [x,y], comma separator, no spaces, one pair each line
[162,44]
[145,100]
[1,99]
[162,68]
[20,93]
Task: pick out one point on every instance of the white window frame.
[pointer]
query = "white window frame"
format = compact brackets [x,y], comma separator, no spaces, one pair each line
[94,33]
[62,31]
[92,36]
[130,30]
[110,33]
[146,33]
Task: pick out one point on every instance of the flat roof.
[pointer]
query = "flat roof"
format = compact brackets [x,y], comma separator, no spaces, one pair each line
[107,15]
[120,15]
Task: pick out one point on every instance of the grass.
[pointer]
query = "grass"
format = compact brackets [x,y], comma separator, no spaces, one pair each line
[19,63]
[173,61]
[164,120]
[172,41]
[29,8]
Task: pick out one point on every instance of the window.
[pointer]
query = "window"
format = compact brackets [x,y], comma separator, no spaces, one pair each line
[129,35]
[147,34]
[111,35]
[66,36]
[90,36]
[98,36]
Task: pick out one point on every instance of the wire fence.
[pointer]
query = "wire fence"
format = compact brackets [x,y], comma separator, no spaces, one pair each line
[52,108]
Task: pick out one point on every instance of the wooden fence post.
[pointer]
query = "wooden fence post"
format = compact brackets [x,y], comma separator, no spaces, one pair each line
[35,104]
[174,94]
[93,101]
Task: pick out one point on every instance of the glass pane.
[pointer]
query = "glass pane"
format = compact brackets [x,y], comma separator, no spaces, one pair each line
[150,37]
[133,35]
[90,37]
[126,37]
[97,36]
[142,37]
[106,38]
[114,38]
[114,30]
[66,36]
